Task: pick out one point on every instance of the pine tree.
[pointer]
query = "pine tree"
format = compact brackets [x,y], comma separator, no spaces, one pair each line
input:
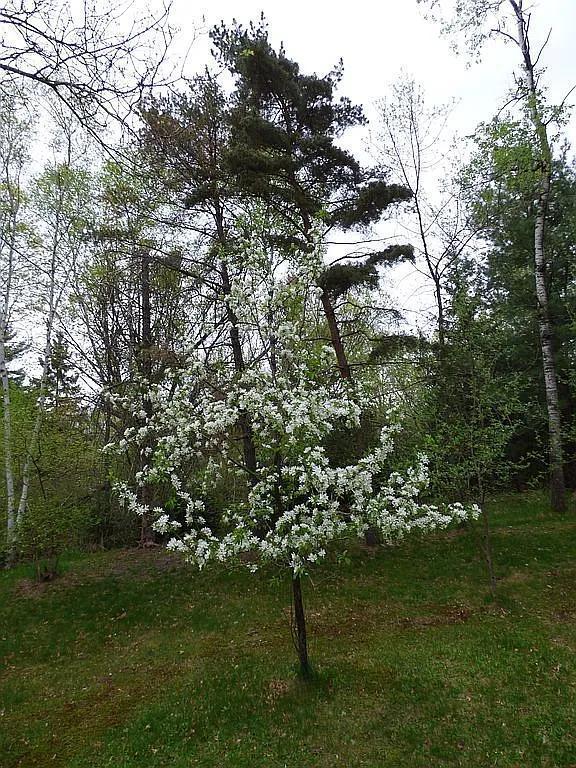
[283,149]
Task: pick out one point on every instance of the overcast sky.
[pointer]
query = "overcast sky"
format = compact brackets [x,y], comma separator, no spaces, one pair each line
[379,39]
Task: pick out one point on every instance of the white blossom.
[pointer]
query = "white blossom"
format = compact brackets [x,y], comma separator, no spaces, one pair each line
[299,505]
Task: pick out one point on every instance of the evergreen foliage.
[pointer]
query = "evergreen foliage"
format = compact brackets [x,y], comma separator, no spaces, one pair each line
[284,131]
[340,278]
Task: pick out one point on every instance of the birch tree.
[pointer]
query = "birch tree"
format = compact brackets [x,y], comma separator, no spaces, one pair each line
[61,202]
[510,20]
[14,135]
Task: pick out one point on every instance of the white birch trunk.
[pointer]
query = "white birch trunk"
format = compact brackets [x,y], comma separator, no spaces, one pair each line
[557,484]
[40,404]
[6,404]
[57,284]
[7,439]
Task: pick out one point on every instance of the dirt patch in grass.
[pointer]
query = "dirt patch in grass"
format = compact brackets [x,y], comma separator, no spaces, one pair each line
[450,615]
[565,615]
[518,577]
[31,589]
[277,689]
[144,564]
[368,617]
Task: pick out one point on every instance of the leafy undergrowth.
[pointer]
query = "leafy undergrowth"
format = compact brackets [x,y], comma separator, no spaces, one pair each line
[131,660]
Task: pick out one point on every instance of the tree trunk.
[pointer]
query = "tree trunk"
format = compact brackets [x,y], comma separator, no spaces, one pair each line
[336,338]
[40,405]
[441,318]
[8,466]
[488,548]
[557,484]
[488,551]
[53,302]
[300,640]
[146,533]
[248,447]
[371,536]
[7,415]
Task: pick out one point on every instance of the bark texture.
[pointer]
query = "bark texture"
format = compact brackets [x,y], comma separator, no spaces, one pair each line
[300,638]
[7,418]
[557,483]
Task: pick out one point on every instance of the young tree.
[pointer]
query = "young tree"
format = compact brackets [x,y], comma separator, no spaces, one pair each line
[62,377]
[300,504]
[61,207]
[410,144]
[14,270]
[61,506]
[474,411]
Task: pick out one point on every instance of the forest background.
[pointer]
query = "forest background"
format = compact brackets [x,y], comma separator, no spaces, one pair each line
[232,304]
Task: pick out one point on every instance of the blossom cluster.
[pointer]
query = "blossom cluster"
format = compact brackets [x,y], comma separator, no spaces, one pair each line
[298,502]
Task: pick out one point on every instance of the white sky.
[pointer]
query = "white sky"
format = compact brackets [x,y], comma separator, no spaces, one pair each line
[379,40]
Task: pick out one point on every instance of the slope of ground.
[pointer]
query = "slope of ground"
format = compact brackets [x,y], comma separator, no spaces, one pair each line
[131,660]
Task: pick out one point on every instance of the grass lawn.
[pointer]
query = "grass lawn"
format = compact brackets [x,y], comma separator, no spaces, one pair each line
[130,660]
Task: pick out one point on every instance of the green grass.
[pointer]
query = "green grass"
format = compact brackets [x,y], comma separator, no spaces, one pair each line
[132,661]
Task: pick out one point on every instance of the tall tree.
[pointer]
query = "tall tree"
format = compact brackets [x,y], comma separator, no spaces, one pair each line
[283,148]
[510,19]
[128,307]
[61,208]
[187,136]
[501,184]
[15,133]
[411,144]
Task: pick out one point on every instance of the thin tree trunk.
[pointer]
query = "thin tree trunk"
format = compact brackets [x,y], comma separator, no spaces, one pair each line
[479,419]
[54,298]
[8,466]
[433,268]
[488,548]
[300,639]
[7,411]
[40,405]
[557,483]
[488,551]
[371,536]
[248,446]
[146,533]
[106,512]
[329,313]
[55,294]
[441,318]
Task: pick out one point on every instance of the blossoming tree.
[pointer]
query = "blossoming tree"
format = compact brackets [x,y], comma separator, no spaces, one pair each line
[297,506]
